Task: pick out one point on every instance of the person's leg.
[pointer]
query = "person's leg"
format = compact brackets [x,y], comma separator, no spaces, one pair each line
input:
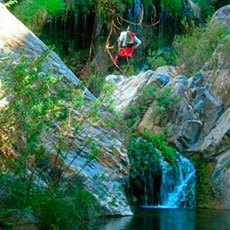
[121,61]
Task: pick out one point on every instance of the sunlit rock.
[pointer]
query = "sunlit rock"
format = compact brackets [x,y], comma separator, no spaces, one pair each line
[106,175]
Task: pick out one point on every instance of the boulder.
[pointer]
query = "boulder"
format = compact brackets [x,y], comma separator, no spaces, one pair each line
[23,222]
[127,89]
[217,141]
[170,70]
[221,178]
[222,16]
[105,176]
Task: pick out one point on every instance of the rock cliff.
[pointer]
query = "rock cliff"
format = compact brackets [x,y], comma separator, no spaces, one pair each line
[200,120]
[112,164]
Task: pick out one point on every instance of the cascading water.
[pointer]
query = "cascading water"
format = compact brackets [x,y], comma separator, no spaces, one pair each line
[177,189]
[134,11]
[137,10]
[194,7]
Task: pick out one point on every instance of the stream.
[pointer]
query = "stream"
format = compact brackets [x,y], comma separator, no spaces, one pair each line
[175,209]
[168,219]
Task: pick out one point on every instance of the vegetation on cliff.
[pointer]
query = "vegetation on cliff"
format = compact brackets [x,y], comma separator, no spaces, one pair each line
[34,176]
[78,29]
[28,119]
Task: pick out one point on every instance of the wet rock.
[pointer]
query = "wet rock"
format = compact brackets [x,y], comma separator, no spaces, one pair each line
[217,82]
[196,80]
[189,133]
[150,123]
[221,178]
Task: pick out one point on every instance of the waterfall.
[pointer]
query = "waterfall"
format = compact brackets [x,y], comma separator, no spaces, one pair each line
[194,7]
[137,10]
[134,11]
[177,189]
[167,180]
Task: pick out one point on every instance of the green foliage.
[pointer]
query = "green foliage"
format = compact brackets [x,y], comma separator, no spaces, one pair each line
[118,6]
[11,3]
[174,6]
[54,209]
[207,7]
[95,84]
[180,9]
[161,58]
[143,158]
[161,101]
[34,13]
[160,143]
[128,69]
[4,214]
[64,211]
[197,46]
[41,108]
[142,155]
[204,193]
[29,8]
[75,60]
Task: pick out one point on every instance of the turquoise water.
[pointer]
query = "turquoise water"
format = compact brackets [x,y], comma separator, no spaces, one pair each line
[169,219]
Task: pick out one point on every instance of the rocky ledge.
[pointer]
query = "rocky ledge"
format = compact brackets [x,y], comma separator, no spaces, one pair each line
[199,123]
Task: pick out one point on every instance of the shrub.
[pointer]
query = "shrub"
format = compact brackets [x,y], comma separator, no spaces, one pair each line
[143,158]
[64,211]
[40,108]
[159,141]
[145,163]
[142,154]
[161,58]
[161,100]
[54,209]
[197,46]
[95,84]
[34,13]
[204,192]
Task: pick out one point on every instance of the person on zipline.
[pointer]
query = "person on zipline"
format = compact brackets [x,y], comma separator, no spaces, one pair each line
[127,42]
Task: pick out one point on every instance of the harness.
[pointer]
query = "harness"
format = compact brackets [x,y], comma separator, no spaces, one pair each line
[127,49]
[130,39]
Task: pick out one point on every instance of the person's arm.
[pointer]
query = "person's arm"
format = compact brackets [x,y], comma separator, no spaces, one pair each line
[119,44]
[121,39]
[138,42]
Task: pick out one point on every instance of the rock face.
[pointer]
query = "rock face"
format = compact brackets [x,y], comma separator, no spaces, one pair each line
[23,222]
[200,120]
[106,175]
[222,16]
[127,88]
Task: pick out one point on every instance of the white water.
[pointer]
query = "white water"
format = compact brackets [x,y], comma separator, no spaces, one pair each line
[176,190]
[194,7]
